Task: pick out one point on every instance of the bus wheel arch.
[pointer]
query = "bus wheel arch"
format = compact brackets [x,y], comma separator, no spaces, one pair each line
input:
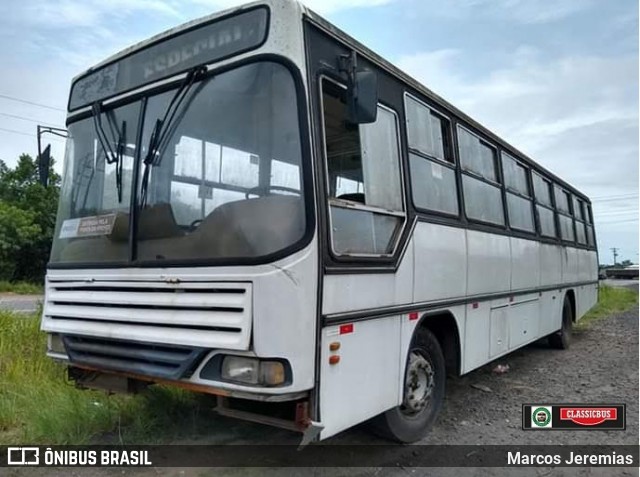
[432,353]
[561,339]
[570,295]
[445,328]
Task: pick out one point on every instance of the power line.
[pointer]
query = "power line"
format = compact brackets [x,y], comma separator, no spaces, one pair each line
[13,131]
[613,195]
[15,116]
[611,222]
[615,198]
[617,212]
[17,132]
[32,103]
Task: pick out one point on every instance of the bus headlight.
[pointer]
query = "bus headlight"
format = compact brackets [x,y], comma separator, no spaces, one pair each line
[252,371]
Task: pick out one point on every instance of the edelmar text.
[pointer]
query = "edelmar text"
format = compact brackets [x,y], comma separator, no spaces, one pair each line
[97,458]
[520,458]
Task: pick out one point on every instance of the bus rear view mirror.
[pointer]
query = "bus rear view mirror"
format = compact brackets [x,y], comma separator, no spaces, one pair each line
[44,162]
[362,98]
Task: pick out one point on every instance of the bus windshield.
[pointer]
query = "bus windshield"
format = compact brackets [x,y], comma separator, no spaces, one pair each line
[226,182]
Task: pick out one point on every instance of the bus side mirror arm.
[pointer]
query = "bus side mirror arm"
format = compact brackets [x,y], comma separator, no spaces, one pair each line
[362,91]
[44,157]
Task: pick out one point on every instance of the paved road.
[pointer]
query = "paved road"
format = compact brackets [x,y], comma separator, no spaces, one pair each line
[633,284]
[20,303]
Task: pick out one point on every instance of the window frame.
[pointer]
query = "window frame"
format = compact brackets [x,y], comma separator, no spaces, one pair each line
[496,160]
[551,207]
[449,150]
[447,138]
[350,205]
[529,198]
[570,214]
[579,220]
[479,177]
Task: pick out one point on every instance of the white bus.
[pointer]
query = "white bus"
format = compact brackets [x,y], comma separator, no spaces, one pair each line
[256,206]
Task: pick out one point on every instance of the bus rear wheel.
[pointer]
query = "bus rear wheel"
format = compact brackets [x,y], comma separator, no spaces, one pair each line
[561,339]
[423,392]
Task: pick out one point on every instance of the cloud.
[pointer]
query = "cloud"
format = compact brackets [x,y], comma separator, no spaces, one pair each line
[69,13]
[575,115]
[321,6]
[520,11]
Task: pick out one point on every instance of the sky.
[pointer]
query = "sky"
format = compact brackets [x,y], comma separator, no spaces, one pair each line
[558,79]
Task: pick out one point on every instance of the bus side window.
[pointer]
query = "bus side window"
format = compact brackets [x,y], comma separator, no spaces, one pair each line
[363,175]
[433,177]
[563,207]
[480,180]
[544,206]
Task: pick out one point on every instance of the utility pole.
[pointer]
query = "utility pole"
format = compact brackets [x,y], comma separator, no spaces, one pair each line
[615,255]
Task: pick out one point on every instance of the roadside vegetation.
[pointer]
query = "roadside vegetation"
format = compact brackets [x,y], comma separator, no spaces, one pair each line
[610,300]
[21,288]
[38,405]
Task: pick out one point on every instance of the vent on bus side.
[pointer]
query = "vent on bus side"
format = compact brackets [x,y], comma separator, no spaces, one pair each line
[164,361]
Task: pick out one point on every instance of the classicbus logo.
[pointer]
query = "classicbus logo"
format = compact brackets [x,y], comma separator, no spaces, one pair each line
[574,416]
[541,416]
[588,416]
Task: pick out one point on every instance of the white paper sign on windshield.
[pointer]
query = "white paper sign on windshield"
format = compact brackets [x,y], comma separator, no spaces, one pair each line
[88,226]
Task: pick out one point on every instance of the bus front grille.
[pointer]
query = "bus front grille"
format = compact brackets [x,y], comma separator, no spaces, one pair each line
[163,361]
[195,314]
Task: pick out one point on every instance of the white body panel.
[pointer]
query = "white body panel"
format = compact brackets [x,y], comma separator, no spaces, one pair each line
[440,267]
[449,264]
[282,304]
[369,358]
[488,259]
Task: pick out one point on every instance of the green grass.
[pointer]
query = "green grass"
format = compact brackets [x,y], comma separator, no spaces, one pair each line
[21,288]
[610,300]
[38,404]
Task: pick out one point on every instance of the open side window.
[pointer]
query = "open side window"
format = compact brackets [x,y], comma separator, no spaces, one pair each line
[363,178]
[563,207]
[544,206]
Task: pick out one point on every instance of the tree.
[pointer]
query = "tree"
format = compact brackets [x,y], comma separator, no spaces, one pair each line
[27,219]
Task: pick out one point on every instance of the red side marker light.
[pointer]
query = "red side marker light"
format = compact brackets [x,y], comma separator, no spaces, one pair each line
[413,316]
[334,359]
[345,329]
[475,305]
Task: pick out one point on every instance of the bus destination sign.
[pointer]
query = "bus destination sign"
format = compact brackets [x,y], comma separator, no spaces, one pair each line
[201,45]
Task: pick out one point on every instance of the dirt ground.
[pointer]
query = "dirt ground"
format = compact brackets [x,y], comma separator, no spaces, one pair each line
[601,366]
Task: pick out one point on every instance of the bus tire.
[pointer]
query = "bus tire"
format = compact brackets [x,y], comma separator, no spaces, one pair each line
[423,395]
[561,339]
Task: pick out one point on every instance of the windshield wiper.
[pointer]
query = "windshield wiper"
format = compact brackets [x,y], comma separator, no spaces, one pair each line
[119,136]
[164,128]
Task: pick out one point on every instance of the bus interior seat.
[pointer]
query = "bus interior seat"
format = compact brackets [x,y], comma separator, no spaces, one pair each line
[154,222]
[231,229]
[244,228]
[158,221]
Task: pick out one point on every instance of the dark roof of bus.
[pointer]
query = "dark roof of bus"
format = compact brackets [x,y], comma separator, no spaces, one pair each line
[412,82]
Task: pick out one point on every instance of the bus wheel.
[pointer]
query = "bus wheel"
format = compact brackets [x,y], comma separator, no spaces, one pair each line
[423,392]
[561,339]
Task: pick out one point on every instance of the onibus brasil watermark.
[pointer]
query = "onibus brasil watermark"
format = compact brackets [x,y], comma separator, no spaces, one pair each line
[73,457]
